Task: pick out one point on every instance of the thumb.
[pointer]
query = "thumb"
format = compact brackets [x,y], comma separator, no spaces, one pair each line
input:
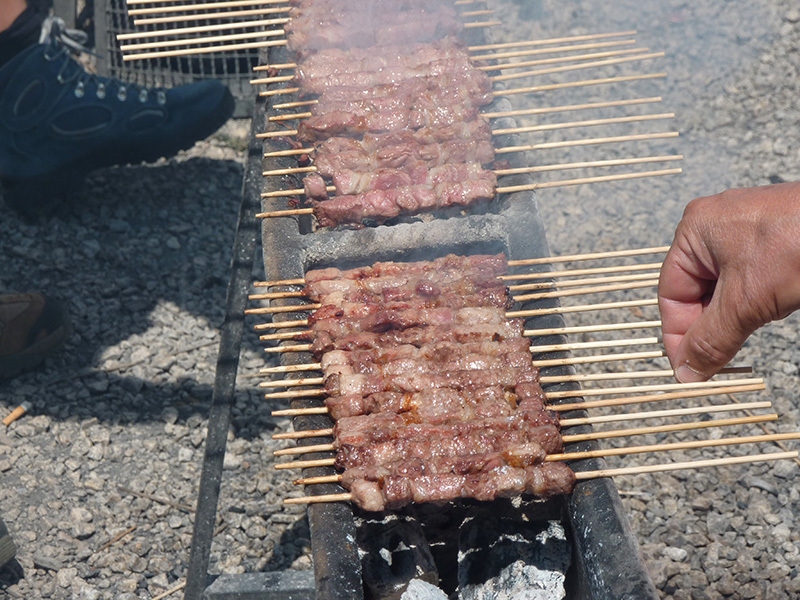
[711,342]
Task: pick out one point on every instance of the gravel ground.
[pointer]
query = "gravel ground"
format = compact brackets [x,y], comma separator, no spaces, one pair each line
[114,441]
[113,444]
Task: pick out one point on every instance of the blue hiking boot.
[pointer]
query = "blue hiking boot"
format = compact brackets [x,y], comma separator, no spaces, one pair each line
[58,122]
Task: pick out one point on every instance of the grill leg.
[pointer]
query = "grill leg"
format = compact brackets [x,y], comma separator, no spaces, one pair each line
[225,379]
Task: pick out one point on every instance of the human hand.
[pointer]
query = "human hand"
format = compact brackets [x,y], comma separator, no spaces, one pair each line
[734,266]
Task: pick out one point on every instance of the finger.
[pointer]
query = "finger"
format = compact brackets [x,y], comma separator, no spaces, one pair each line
[684,288]
[710,342]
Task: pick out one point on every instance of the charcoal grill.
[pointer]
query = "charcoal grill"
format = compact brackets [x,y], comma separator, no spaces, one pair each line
[355,555]
[464,545]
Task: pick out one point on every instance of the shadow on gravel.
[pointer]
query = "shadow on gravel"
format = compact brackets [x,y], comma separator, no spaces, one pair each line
[142,257]
[11,574]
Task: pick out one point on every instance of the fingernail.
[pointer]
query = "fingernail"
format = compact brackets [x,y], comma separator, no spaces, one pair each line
[686,374]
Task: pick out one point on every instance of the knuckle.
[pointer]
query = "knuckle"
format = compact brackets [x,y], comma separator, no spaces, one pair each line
[709,352]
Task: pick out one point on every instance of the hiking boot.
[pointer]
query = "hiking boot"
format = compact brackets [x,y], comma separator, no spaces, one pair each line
[32,326]
[7,547]
[58,122]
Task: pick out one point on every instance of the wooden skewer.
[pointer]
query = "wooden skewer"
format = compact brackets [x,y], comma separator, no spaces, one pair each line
[290,324]
[588,256]
[492,67]
[496,132]
[570,346]
[659,414]
[536,349]
[274,79]
[547,260]
[639,137]
[532,89]
[614,343]
[487,115]
[273,67]
[585,123]
[295,348]
[140,22]
[279,92]
[584,475]
[586,405]
[297,281]
[608,452]
[661,387]
[290,368]
[524,314]
[289,171]
[283,335]
[278,133]
[550,395]
[688,445]
[612,305]
[520,170]
[610,284]
[481,24]
[526,333]
[122,37]
[659,397]
[585,180]
[544,380]
[200,40]
[499,190]
[591,328]
[547,42]
[276,295]
[308,433]
[270,310]
[496,56]
[656,414]
[581,272]
[310,381]
[135,12]
[582,360]
[302,434]
[477,13]
[282,325]
[680,466]
[296,104]
[202,50]
[539,274]
[577,67]
[190,7]
[572,84]
[569,107]
[329,462]
[592,281]
[598,289]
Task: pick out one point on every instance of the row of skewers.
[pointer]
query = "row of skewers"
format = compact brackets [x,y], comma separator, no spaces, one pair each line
[385,388]
[394,117]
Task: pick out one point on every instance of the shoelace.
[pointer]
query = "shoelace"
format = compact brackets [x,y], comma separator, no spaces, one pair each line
[71,43]
[55,28]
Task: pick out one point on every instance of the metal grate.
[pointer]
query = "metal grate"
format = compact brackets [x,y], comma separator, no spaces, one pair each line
[233,68]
